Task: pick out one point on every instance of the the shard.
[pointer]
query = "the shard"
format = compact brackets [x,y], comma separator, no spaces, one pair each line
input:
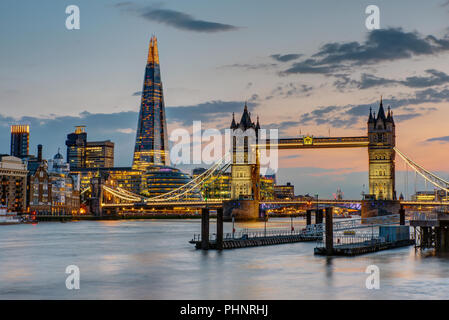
[151,139]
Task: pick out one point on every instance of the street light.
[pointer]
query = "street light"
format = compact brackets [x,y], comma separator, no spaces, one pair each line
[265,229]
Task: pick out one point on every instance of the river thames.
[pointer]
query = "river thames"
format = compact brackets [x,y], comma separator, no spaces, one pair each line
[152,259]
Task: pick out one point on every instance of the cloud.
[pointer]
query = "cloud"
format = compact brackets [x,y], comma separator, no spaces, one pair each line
[207,111]
[249,66]
[175,19]
[137,93]
[366,81]
[380,46]
[120,127]
[349,115]
[286,57]
[440,139]
[126,130]
[436,78]
[52,132]
[433,78]
[286,90]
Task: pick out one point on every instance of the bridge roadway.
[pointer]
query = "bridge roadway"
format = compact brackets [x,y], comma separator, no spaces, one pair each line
[217,203]
[313,143]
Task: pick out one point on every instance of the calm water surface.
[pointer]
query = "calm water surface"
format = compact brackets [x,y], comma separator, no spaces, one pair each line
[152,259]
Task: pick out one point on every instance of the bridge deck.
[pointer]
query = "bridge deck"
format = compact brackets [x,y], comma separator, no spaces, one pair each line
[313,143]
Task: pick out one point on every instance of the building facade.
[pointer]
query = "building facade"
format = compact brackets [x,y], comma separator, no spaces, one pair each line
[125,177]
[151,146]
[286,191]
[13,179]
[267,184]
[52,189]
[99,154]
[382,140]
[216,187]
[20,141]
[88,154]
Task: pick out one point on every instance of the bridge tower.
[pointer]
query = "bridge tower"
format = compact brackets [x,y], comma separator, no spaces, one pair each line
[382,139]
[245,170]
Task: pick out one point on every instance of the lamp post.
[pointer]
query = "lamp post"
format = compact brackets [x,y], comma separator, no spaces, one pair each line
[265,228]
[233,229]
[291,224]
[316,205]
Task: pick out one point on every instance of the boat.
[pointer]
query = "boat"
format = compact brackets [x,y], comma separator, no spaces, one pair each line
[8,217]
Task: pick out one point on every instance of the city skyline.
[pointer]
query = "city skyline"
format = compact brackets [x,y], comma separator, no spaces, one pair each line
[292,85]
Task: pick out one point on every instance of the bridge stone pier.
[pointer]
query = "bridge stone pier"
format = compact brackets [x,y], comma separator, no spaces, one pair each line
[374,208]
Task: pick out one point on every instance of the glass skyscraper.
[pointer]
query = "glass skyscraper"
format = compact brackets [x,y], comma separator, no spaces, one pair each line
[20,140]
[151,138]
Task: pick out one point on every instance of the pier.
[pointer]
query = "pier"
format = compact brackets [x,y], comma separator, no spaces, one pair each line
[246,239]
[341,238]
[353,246]
[431,230]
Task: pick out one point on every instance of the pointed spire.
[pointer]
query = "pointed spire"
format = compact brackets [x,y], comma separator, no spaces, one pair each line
[257,124]
[245,121]
[381,113]
[370,119]
[153,53]
[390,115]
[233,124]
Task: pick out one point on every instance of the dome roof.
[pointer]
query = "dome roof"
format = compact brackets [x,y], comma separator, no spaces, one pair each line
[58,156]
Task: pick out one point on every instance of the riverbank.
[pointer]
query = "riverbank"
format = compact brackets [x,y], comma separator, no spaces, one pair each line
[122,217]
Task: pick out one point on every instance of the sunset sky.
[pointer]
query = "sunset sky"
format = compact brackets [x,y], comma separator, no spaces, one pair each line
[303,66]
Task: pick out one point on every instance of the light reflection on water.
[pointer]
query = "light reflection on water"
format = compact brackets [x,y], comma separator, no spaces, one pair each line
[152,259]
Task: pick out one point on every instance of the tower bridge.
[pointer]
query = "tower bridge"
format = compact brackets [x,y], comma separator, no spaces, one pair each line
[245,202]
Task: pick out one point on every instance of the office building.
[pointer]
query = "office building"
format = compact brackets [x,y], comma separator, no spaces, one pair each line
[20,140]
[286,191]
[88,154]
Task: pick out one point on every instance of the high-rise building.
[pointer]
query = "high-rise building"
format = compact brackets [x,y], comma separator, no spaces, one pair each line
[88,154]
[151,137]
[99,154]
[20,140]
[76,147]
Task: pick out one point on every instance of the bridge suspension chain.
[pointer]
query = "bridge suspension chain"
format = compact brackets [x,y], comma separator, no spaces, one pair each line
[427,175]
[219,166]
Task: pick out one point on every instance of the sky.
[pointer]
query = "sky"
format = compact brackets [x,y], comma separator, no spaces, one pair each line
[309,67]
